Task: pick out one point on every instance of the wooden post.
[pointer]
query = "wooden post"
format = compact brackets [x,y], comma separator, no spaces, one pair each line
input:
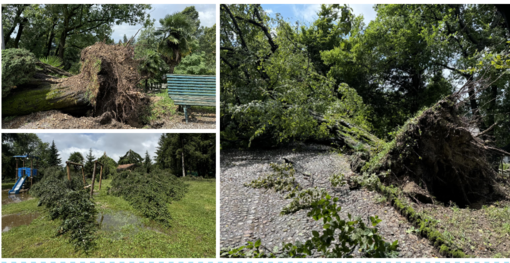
[83,174]
[68,173]
[16,176]
[93,179]
[100,177]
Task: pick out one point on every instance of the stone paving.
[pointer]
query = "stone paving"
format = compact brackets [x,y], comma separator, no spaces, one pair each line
[248,214]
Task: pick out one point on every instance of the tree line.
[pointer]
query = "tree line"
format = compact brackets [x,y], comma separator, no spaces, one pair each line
[197,152]
[283,81]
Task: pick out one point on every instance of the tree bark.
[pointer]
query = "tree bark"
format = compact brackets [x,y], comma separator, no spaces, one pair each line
[20,31]
[44,93]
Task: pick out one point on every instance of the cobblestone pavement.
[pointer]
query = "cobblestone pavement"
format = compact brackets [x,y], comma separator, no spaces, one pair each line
[249,214]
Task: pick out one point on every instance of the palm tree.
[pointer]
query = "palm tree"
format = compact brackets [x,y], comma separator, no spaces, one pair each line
[176,38]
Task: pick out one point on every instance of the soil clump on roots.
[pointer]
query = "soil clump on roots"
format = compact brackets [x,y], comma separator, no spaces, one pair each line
[110,76]
[438,152]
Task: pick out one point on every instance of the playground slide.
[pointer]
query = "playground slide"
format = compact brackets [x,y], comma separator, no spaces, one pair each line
[15,189]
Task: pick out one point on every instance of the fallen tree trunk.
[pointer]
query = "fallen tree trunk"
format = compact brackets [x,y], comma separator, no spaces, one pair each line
[107,83]
[44,92]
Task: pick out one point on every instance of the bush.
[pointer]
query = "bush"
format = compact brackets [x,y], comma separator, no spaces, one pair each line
[68,201]
[18,66]
[149,193]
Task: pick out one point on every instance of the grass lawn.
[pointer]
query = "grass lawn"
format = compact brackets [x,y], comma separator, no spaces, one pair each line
[193,231]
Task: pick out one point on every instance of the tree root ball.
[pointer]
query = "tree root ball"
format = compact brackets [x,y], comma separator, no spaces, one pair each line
[437,151]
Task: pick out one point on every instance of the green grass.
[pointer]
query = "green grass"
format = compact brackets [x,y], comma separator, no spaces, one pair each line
[204,109]
[164,106]
[193,231]
[7,185]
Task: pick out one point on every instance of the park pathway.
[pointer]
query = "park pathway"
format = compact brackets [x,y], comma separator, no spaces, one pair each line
[248,214]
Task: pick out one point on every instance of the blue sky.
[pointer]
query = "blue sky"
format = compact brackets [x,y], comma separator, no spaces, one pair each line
[206,13]
[307,13]
[114,144]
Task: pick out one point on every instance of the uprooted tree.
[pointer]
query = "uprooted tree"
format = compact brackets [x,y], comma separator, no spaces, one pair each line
[106,85]
[273,92]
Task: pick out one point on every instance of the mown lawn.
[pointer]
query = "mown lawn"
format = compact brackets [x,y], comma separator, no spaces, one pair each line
[193,231]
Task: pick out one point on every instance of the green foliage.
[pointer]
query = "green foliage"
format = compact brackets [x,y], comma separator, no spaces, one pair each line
[197,151]
[195,64]
[337,180]
[282,180]
[149,193]
[52,61]
[69,202]
[54,159]
[303,199]
[350,234]
[18,66]
[163,107]
[52,30]
[131,157]
[109,167]
[175,38]
[76,157]
[89,163]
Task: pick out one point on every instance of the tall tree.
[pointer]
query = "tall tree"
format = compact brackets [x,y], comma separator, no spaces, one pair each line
[147,164]
[54,158]
[187,152]
[176,38]
[131,157]
[76,157]
[89,163]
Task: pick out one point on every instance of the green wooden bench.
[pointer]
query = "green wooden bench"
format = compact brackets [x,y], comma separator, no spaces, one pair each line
[192,90]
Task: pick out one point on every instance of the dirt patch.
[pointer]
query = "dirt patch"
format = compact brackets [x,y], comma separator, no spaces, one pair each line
[57,120]
[480,233]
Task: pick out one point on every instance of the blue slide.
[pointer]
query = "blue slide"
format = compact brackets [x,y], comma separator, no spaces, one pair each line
[15,189]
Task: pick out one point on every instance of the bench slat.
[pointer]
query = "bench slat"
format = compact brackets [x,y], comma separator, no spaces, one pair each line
[189,90]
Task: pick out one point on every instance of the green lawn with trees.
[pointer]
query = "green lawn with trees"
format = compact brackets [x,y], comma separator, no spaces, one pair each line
[154,207]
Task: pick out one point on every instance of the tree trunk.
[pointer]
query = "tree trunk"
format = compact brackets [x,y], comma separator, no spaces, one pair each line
[44,93]
[182,154]
[50,40]
[20,31]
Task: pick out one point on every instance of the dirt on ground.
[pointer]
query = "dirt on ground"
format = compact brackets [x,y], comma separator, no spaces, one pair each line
[57,120]
[481,231]
[248,214]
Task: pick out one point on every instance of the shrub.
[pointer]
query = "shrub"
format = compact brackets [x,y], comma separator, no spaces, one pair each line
[67,200]
[18,66]
[149,193]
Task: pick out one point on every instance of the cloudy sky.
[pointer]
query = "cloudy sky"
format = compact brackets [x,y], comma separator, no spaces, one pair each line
[206,13]
[114,144]
[308,13]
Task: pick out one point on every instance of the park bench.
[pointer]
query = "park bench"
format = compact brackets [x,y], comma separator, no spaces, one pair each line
[192,90]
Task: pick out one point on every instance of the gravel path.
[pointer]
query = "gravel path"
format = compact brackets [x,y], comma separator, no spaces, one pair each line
[249,214]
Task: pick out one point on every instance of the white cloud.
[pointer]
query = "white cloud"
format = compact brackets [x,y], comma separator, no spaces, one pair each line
[269,11]
[206,14]
[115,145]
[306,13]
[366,10]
